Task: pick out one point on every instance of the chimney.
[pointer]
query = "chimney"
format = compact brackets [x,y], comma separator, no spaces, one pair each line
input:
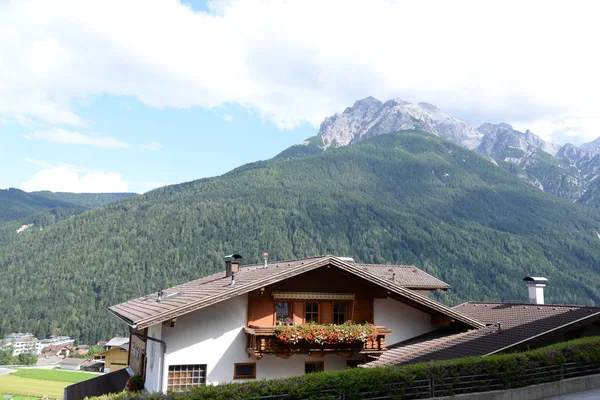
[536,285]
[265,258]
[231,264]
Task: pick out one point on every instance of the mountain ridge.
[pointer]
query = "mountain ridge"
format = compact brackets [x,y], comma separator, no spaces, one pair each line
[566,171]
[406,198]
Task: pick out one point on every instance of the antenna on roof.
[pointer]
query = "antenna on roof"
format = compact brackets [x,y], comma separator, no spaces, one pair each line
[265,258]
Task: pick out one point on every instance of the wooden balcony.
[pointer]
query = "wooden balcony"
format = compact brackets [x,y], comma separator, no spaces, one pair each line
[262,340]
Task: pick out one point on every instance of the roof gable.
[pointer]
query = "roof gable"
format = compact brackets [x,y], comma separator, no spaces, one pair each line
[146,311]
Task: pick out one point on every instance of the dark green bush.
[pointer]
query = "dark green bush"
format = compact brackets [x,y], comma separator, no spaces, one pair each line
[509,369]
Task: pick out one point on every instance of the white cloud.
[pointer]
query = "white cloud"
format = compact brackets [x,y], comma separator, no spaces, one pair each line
[227,118]
[68,179]
[152,146]
[39,163]
[301,60]
[62,136]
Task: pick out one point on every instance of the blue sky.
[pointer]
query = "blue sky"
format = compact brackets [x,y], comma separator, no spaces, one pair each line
[130,95]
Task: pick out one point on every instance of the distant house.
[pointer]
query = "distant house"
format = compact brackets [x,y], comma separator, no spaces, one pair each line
[73,364]
[92,366]
[22,343]
[223,327]
[116,358]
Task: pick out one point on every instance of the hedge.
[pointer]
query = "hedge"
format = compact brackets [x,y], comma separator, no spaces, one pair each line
[391,380]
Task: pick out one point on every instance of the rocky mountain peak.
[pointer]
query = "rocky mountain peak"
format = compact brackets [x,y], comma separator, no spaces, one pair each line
[503,142]
[370,117]
[429,107]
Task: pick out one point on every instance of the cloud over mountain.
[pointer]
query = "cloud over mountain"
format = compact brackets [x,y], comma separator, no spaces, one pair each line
[299,61]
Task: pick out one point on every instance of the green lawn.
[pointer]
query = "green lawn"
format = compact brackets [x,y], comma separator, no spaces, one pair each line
[19,397]
[53,375]
[32,387]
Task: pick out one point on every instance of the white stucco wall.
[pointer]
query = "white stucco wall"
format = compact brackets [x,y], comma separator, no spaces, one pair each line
[270,366]
[153,358]
[214,336]
[405,321]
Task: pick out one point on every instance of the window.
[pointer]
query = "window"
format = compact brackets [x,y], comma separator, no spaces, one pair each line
[340,314]
[311,312]
[244,371]
[314,366]
[283,311]
[182,377]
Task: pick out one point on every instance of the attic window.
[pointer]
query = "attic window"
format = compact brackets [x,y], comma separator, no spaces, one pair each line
[313,296]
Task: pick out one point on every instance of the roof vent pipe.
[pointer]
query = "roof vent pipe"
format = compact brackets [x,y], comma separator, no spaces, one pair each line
[232,279]
[159,295]
[265,258]
[536,285]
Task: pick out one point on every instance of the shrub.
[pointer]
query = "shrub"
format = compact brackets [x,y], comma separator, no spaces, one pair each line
[392,381]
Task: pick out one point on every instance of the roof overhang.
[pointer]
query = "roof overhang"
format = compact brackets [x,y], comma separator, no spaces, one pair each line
[401,293]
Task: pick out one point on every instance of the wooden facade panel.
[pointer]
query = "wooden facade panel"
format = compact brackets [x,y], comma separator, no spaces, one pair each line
[325,313]
[298,309]
[261,307]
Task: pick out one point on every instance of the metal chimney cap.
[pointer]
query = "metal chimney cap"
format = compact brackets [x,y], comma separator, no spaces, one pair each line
[535,279]
[232,257]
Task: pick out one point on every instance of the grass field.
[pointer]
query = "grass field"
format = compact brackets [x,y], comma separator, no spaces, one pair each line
[15,384]
[38,382]
[19,397]
[53,375]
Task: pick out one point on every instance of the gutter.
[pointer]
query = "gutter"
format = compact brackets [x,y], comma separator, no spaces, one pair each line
[163,358]
[542,334]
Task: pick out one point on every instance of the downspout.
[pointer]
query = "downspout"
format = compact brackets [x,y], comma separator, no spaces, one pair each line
[163,357]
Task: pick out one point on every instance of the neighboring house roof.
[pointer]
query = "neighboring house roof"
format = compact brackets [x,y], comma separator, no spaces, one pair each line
[124,347]
[146,311]
[521,325]
[92,363]
[72,361]
[117,341]
[113,382]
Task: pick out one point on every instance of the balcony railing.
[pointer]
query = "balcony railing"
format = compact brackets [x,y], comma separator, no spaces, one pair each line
[262,340]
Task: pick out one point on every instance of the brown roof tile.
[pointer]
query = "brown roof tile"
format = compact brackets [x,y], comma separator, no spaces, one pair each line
[145,311]
[521,325]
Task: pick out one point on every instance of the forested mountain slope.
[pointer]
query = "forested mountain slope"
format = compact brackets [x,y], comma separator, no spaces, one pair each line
[16,204]
[87,200]
[403,198]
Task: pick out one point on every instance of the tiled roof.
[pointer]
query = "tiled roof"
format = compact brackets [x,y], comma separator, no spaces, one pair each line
[521,325]
[408,276]
[117,341]
[182,299]
[72,361]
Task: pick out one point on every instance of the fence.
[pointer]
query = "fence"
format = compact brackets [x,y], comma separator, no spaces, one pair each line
[439,387]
